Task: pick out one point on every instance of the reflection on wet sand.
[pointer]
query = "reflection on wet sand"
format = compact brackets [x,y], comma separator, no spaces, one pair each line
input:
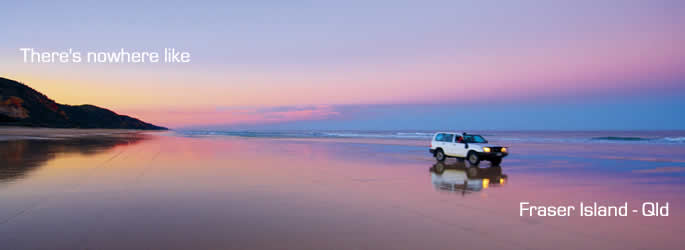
[20,157]
[170,192]
[458,177]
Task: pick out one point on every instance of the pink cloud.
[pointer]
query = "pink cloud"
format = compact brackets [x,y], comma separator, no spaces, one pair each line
[235,115]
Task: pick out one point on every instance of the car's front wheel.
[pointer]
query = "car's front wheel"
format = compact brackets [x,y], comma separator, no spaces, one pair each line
[439,155]
[473,158]
[496,161]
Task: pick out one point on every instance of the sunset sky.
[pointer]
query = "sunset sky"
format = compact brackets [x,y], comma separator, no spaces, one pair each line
[365,64]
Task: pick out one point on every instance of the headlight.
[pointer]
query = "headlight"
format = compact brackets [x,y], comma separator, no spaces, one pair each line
[504,150]
[486,150]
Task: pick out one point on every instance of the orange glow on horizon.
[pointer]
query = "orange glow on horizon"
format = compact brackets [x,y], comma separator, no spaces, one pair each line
[187,96]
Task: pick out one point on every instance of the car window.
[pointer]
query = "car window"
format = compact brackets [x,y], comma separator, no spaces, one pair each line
[439,137]
[474,139]
[459,139]
[448,138]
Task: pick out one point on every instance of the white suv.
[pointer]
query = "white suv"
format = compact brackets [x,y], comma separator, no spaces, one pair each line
[472,147]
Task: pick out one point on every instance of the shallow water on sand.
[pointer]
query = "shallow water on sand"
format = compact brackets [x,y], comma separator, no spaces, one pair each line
[170,192]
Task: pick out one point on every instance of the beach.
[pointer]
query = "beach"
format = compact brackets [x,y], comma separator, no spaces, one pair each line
[28,133]
[103,189]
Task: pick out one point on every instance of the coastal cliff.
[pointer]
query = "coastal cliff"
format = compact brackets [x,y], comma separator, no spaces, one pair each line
[20,105]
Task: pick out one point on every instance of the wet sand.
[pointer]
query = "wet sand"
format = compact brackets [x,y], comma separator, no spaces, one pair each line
[27,133]
[162,191]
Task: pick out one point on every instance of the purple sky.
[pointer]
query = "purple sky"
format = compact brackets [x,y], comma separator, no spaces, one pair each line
[366,64]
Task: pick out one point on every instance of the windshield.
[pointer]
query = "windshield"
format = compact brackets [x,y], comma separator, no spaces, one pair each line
[474,139]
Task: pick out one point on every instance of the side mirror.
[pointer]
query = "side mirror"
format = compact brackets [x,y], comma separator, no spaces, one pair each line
[466,145]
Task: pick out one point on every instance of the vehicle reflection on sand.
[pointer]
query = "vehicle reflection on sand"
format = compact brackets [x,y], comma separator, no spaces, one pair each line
[457,177]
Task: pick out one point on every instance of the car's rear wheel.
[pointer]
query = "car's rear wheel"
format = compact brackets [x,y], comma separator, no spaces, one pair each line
[496,161]
[439,155]
[473,158]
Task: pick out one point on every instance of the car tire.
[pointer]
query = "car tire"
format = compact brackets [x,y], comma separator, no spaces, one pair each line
[440,155]
[473,158]
[495,162]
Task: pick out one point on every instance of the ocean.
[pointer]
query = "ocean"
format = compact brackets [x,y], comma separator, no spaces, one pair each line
[626,137]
